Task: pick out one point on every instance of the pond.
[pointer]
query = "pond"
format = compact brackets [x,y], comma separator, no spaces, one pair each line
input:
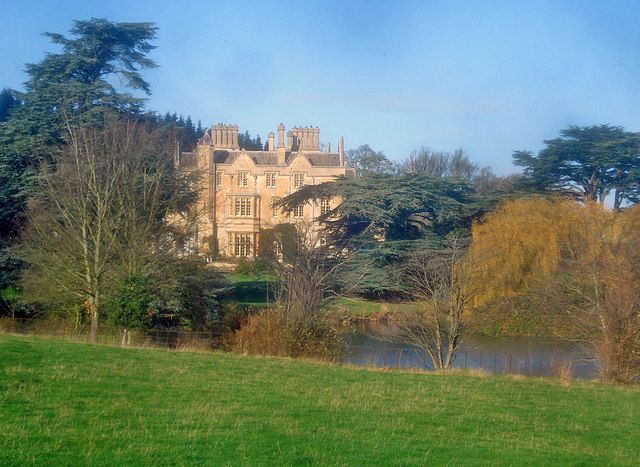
[508,355]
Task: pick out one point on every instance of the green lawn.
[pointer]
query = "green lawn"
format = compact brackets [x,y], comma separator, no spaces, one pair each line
[258,291]
[66,403]
[254,291]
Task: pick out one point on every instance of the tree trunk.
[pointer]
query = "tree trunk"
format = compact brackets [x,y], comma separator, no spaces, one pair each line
[617,204]
[93,334]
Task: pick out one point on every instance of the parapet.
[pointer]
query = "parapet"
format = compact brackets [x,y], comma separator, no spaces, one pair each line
[225,136]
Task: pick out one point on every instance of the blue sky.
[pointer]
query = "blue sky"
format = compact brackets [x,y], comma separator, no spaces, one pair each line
[489,76]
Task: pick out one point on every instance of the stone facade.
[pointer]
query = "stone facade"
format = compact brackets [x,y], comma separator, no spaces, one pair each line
[239,187]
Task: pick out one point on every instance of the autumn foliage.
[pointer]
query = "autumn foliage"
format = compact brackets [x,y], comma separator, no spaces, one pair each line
[581,261]
[521,241]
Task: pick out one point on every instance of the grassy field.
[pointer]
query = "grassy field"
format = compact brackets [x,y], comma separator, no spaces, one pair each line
[66,403]
[256,291]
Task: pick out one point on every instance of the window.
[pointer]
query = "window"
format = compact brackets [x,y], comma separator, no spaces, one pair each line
[323,240]
[243,179]
[325,206]
[298,211]
[271,180]
[242,244]
[218,178]
[242,207]
[298,180]
[275,212]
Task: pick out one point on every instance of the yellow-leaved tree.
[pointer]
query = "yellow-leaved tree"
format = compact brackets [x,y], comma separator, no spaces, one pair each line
[520,242]
[583,258]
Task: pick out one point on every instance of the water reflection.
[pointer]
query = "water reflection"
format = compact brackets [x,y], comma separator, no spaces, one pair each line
[509,355]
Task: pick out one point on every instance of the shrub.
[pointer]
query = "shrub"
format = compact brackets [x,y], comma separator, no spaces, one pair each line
[245,266]
[232,316]
[275,332]
[130,307]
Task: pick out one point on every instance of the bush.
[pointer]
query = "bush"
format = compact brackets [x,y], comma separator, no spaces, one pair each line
[274,332]
[131,305]
[245,266]
[232,316]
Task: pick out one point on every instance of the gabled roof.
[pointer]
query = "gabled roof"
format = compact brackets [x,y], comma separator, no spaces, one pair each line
[222,156]
[324,159]
[270,158]
[263,157]
[188,159]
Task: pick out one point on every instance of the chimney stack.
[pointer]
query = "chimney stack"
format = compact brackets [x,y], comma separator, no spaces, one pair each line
[271,138]
[305,138]
[341,150]
[280,136]
[224,136]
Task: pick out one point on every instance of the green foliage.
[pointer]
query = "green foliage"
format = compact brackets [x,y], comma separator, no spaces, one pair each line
[123,189]
[389,207]
[245,266]
[187,295]
[8,102]
[72,86]
[281,237]
[376,269]
[198,292]
[381,217]
[130,306]
[186,133]
[246,142]
[587,162]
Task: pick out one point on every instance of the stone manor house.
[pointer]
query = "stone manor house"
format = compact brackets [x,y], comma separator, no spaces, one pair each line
[239,187]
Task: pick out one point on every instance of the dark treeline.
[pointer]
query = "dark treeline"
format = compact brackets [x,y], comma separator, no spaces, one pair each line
[187,133]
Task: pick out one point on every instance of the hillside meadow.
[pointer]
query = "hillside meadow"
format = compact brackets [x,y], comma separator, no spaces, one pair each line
[70,403]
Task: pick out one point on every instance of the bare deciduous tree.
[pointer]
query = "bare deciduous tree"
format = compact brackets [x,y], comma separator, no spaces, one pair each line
[605,279]
[442,289]
[307,280]
[101,214]
[439,164]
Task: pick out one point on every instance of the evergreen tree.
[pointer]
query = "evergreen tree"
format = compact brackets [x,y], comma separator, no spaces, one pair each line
[257,144]
[589,163]
[69,87]
[382,220]
[8,101]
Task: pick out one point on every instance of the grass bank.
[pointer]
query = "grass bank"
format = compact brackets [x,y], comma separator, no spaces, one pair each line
[258,291]
[66,403]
